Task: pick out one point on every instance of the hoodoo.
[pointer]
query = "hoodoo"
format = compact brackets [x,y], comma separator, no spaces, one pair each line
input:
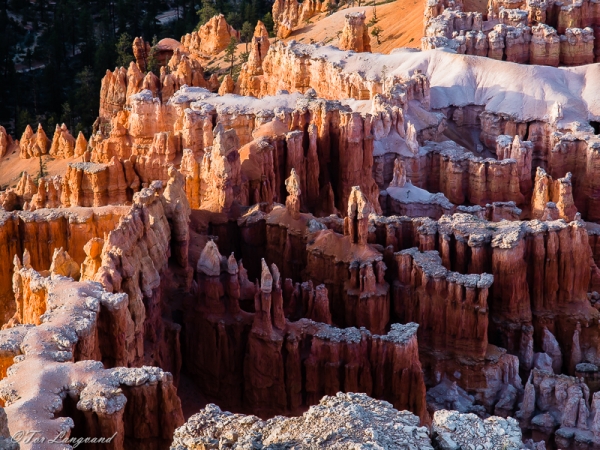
[307,240]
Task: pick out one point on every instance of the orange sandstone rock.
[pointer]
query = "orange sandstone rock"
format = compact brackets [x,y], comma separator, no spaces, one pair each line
[249,81]
[63,144]
[558,192]
[141,52]
[33,144]
[577,46]
[355,35]
[290,14]
[93,260]
[180,70]
[545,46]
[6,141]
[63,264]
[221,172]
[227,86]
[211,38]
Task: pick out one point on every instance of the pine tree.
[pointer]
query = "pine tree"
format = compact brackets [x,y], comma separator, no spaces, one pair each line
[124,50]
[230,54]
[152,65]
[247,33]
[269,23]
[206,12]
[376,32]
[43,169]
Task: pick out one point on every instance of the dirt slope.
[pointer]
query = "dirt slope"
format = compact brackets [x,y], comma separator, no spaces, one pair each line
[400,20]
[11,167]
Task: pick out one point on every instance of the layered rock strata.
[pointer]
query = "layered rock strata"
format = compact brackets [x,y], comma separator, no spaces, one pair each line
[462,177]
[83,330]
[518,33]
[375,364]
[352,270]
[92,184]
[54,356]
[348,300]
[517,299]
[327,174]
[40,233]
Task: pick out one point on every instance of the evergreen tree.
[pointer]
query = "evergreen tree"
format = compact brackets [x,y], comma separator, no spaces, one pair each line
[80,40]
[86,97]
[269,23]
[234,19]
[24,118]
[376,32]
[230,54]
[247,33]
[152,64]
[124,50]
[206,12]
[43,169]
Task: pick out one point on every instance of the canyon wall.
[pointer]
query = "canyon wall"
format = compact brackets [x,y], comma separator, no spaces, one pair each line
[99,402]
[247,343]
[519,33]
[90,328]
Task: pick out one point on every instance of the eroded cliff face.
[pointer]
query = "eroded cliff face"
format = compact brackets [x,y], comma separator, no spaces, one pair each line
[132,408]
[265,338]
[154,135]
[81,331]
[411,228]
[40,233]
[527,33]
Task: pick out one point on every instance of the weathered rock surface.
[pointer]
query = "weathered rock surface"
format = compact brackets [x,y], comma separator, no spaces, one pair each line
[451,429]
[522,32]
[42,232]
[337,422]
[34,145]
[559,192]
[290,14]
[53,355]
[562,405]
[227,85]
[141,52]
[347,421]
[211,38]
[250,78]
[385,366]
[6,141]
